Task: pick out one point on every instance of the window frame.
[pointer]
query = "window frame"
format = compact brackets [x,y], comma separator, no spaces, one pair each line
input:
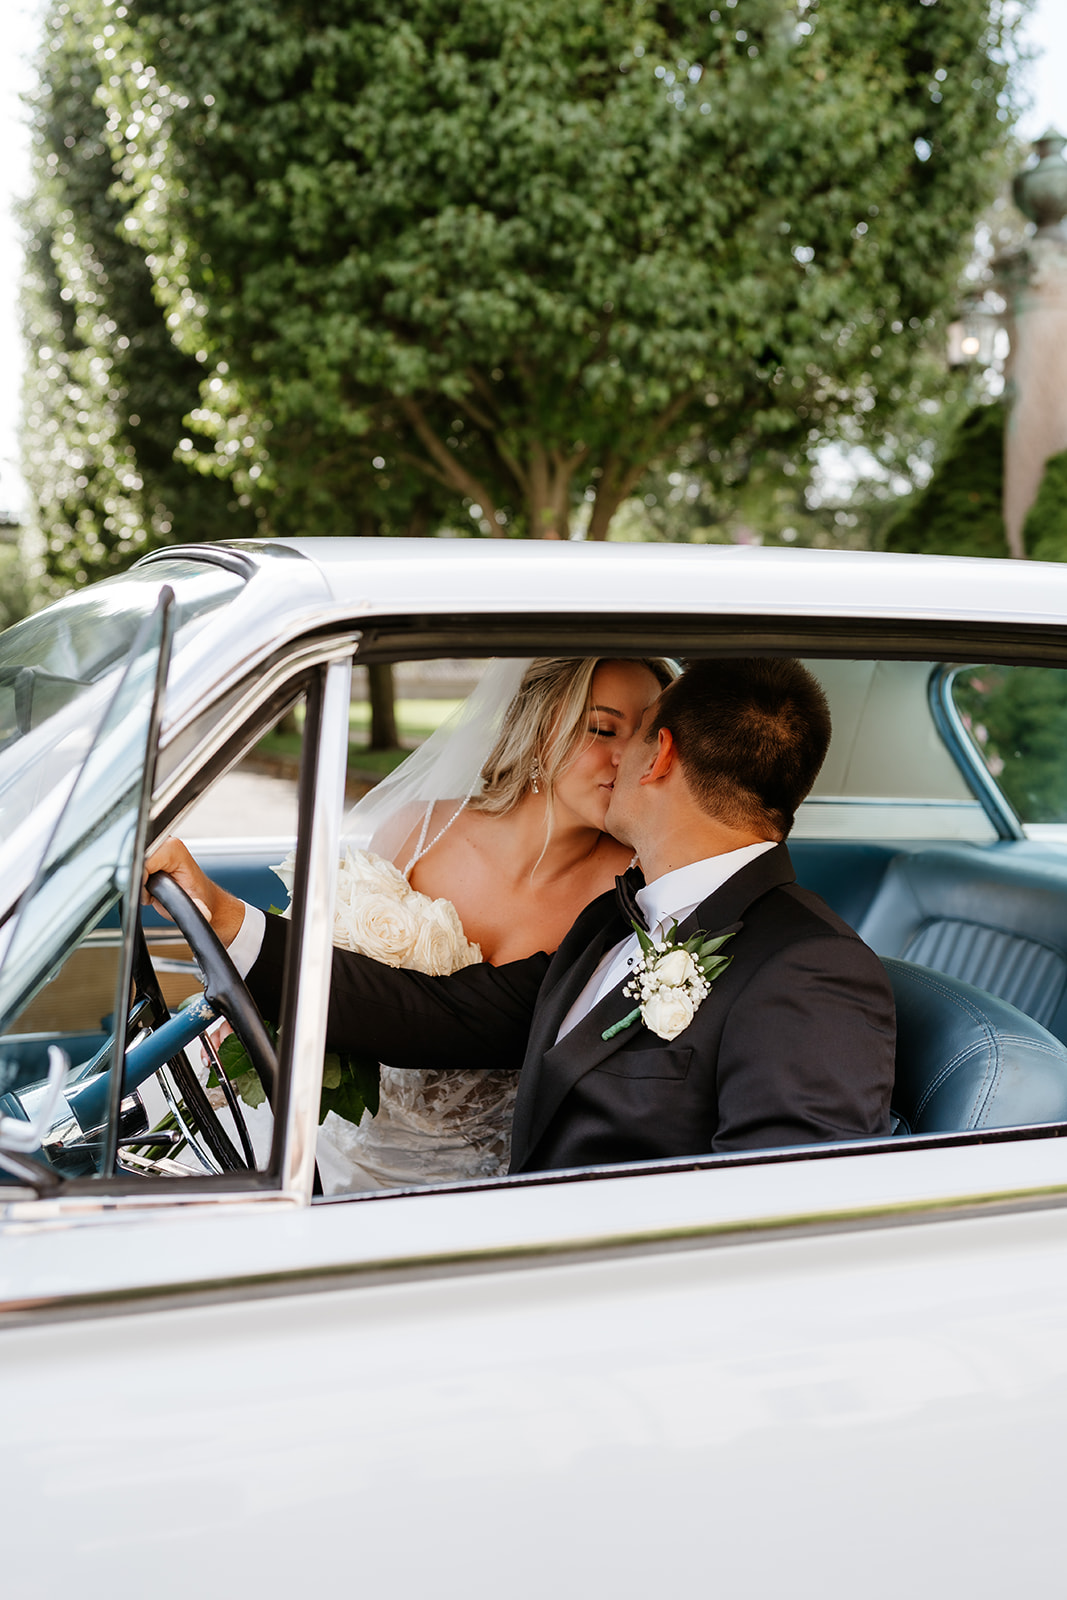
[243,709]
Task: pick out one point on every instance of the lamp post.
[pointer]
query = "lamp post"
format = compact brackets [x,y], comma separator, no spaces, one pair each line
[1033,279]
[972,337]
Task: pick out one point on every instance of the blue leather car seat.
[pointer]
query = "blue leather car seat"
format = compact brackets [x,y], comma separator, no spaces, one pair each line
[966,1059]
[997,919]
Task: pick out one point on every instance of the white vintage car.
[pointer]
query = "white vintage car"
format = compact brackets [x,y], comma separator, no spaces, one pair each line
[829,1370]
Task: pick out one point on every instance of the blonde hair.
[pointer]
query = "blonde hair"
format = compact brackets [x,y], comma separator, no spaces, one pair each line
[545,728]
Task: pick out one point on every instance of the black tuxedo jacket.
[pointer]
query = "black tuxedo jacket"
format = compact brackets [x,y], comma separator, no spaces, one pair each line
[794,1044]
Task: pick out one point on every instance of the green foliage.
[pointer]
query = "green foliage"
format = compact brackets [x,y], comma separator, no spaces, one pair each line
[234,1061]
[1017,717]
[706,495]
[1045,529]
[350,1084]
[960,512]
[16,589]
[527,247]
[107,389]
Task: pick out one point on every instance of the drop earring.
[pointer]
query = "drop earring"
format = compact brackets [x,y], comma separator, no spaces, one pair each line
[535,773]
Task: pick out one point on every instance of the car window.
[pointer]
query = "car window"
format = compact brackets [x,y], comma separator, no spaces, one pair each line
[85,876]
[888,774]
[58,672]
[1016,721]
[183,1113]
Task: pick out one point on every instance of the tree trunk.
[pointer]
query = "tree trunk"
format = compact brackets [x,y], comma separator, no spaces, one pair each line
[383,734]
[548,493]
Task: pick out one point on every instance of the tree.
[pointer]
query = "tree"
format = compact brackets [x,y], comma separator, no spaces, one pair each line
[523,248]
[960,512]
[1018,718]
[107,389]
[1045,530]
[16,589]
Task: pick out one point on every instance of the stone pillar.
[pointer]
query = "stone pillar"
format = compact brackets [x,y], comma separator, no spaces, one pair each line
[1034,281]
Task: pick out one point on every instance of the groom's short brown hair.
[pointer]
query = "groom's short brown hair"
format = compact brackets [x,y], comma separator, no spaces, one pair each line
[751,733]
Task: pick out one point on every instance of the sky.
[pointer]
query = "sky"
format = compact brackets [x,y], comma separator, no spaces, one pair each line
[1045,81]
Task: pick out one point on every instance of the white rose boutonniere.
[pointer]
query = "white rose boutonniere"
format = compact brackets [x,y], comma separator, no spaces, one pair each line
[670,981]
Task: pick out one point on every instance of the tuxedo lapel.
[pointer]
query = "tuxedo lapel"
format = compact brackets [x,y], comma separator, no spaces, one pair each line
[575,962]
[550,1070]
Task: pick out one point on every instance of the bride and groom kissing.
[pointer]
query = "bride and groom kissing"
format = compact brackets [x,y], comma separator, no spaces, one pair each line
[776,1026]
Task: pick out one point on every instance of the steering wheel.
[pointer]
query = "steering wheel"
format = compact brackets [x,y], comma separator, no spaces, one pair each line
[226,995]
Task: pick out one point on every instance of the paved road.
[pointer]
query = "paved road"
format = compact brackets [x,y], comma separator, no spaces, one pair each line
[248,803]
[242,805]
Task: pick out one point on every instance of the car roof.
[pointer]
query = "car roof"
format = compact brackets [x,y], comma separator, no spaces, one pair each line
[437,576]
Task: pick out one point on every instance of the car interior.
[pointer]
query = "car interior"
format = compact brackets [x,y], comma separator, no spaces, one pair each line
[910,839]
[937,829]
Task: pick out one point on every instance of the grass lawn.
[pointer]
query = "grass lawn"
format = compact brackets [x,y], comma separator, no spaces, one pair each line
[416,720]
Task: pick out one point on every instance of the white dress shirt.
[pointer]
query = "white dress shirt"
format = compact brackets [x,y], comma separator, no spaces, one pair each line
[663,901]
[248,941]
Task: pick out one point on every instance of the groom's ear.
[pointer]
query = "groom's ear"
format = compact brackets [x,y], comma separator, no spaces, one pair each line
[664,758]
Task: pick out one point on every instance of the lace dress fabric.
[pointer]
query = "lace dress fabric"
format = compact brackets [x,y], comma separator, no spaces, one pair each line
[432,1125]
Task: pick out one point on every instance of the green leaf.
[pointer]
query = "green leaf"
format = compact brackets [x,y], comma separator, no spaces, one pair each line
[233,1057]
[714,966]
[356,1089]
[250,1088]
[235,1062]
[366,1075]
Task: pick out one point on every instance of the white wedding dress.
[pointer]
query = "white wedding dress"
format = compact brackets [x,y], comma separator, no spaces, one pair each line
[432,1125]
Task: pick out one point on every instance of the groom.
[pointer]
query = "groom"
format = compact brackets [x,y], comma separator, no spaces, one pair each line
[793,1043]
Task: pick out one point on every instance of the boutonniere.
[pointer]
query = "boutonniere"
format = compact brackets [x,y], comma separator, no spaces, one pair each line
[670,980]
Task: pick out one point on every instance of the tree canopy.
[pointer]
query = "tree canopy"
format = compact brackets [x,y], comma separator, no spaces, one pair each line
[516,250]
[107,388]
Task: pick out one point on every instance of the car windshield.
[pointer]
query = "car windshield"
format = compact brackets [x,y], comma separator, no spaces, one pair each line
[59,671]
[85,870]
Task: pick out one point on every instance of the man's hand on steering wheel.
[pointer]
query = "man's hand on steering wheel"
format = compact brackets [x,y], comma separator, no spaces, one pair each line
[223,910]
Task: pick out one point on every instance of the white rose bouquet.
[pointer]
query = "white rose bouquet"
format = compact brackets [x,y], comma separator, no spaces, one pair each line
[377,914]
[670,981]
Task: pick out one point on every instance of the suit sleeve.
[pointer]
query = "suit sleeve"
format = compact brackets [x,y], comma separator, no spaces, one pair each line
[807,1052]
[479,1017]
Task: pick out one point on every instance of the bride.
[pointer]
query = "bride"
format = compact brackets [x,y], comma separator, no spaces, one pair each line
[500,814]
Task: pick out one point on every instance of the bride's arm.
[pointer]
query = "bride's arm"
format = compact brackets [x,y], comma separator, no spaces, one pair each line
[478,1017]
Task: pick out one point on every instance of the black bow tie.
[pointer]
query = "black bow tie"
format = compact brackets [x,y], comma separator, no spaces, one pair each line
[626,889]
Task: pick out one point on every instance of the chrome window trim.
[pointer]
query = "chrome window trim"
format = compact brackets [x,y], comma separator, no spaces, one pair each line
[960,746]
[226,556]
[913,803]
[351,1274]
[290,1175]
[321,808]
[260,686]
